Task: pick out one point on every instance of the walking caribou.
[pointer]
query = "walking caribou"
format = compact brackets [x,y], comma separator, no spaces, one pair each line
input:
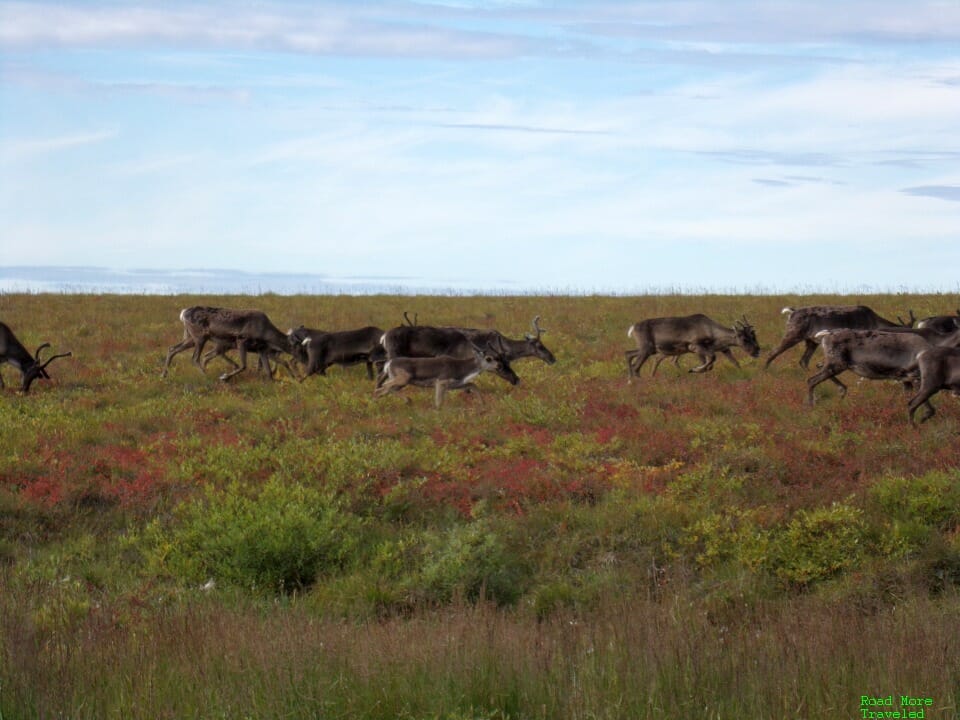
[248,330]
[804,323]
[939,370]
[875,355]
[318,349]
[675,336]
[429,341]
[12,351]
[442,373]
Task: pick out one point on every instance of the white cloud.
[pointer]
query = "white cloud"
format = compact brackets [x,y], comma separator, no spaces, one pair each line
[13,149]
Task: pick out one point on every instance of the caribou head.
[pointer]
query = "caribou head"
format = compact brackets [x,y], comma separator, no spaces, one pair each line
[746,336]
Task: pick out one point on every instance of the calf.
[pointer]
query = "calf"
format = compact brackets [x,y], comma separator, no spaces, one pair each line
[442,373]
[939,370]
[804,323]
[318,350]
[675,336]
[873,354]
[12,351]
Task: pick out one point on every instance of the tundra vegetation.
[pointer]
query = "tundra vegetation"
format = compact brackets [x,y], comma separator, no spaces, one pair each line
[687,545]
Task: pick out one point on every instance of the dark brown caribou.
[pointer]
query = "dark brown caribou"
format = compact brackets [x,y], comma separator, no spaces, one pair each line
[318,349]
[804,323]
[30,366]
[941,323]
[875,355]
[529,346]
[698,334]
[939,370]
[442,373]
[248,330]
[429,341]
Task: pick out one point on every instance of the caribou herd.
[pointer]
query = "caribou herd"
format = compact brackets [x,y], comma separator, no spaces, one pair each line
[923,355]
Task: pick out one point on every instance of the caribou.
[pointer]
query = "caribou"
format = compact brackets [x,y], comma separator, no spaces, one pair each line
[443,373]
[248,330]
[221,346]
[804,323]
[529,346]
[675,336]
[875,355]
[30,366]
[318,349]
[413,340]
[939,370]
[941,323]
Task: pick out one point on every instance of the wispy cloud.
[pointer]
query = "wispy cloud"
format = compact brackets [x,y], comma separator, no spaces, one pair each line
[17,149]
[494,127]
[941,192]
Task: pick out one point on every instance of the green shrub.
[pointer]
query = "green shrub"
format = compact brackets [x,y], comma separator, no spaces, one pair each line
[279,537]
[817,544]
[473,561]
[727,535]
[932,499]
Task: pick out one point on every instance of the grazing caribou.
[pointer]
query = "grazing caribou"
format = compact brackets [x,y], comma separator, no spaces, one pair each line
[318,350]
[939,370]
[675,336]
[941,323]
[12,351]
[442,373]
[804,323]
[248,330]
[874,354]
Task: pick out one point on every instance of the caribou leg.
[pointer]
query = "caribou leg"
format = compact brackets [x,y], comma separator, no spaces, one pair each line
[808,352]
[829,372]
[242,350]
[730,357]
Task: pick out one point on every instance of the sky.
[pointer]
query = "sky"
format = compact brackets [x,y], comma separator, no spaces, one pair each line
[709,145]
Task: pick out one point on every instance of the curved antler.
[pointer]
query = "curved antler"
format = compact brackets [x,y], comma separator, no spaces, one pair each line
[52,358]
[536,326]
[36,355]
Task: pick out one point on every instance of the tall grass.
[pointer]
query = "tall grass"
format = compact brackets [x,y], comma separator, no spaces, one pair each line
[631,658]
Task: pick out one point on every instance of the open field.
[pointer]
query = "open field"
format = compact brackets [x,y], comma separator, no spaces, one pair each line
[685,546]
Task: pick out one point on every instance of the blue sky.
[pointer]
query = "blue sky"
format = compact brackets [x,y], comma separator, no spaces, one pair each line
[589,146]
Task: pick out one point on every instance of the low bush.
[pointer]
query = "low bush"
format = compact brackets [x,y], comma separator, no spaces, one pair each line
[279,537]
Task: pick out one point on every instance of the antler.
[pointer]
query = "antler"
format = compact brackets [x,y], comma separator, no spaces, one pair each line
[50,359]
[910,322]
[536,326]
[410,322]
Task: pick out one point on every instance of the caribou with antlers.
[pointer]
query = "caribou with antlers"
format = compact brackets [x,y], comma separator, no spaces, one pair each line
[675,336]
[12,351]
